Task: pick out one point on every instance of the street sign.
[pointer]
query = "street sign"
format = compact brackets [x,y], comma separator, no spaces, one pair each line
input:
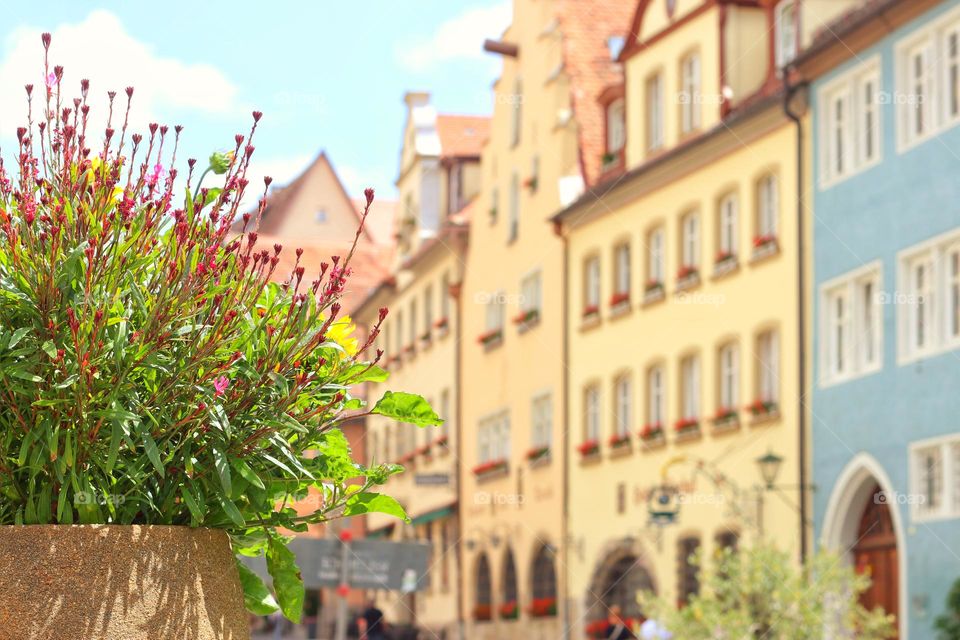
[371,564]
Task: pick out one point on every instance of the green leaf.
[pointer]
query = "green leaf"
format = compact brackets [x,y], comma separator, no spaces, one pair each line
[231,510]
[223,469]
[368,502]
[256,595]
[247,473]
[282,565]
[407,407]
[195,509]
[49,348]
[17,337]
[152,452]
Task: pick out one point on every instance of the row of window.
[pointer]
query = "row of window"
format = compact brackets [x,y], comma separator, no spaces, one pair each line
[766,360]
[543,587]
[926,100]
[727,235]
[928,310]
[529,302]
[935,478]
[402,332]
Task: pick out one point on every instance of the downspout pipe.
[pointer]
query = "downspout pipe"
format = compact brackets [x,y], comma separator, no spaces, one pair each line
[565,392]
[791,91]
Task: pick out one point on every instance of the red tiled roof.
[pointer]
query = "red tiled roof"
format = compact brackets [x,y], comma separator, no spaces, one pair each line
[462,136]
[586,25]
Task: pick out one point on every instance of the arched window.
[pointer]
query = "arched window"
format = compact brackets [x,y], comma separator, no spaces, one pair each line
[623,581]
[483,597]
[544,587]
[509,586]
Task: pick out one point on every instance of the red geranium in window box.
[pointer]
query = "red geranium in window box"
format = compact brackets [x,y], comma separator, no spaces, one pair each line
[538,452]
[588,447]
[652,285]
[619,440]
[490,466]
[764,240]
[526,316]
[620,297]
[590,310]
[543,607]
[482,612]
[651,431]
[725,415]
[759,407]
[490,337]
[685,425]
[509,610]
[687,271]
[441,323]
[724,256]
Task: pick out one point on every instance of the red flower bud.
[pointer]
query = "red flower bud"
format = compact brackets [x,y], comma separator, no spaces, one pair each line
[45,39]
[368,193]
[257,115]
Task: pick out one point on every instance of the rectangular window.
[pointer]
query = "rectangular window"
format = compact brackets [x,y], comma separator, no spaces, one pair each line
[445,296]
[656,266]
[493,436]
[690,388]
[591,285]
[530,292]
[768,367]
[768,208]
[413,323]
[951,48]
[921,303]
[428,310]
[655,112]
[591,413]
[623,405]
[690,240]
[495,311]
[690,93]
[656,401]
[852,325]
[935,478]
[616,127]
[850,124]
[542,414]
[514,213]
[785,26]
[727,226]
[445,414]
[729,374]
[621,276]
[919,78]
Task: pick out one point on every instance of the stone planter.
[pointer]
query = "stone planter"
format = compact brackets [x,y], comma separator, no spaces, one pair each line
[100,582]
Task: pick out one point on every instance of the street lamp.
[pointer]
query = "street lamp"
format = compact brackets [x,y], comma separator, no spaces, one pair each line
[769,468]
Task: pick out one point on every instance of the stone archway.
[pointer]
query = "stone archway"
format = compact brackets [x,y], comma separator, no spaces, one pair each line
[620,575]
[864,526]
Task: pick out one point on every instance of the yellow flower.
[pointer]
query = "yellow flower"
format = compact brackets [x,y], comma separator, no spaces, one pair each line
[341,332]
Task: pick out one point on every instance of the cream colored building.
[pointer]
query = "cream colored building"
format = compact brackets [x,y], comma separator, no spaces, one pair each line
[683,306]
[439,176]
[546,143]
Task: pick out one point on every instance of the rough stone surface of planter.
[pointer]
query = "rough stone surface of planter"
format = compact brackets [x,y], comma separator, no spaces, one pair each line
[108,582]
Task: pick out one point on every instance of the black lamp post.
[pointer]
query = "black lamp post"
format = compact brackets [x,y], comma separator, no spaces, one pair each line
[769,468]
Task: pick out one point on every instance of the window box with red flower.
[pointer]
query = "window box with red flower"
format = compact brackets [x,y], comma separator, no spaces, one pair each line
[588,448]
[531,183]
[726,418]
[490,339]
[482,613]
[442,325]
[688,276]
[537,454]
[426,338]
[619,440]
[596,628]
[687,428]
[652,434]
[764,246]
[526,319]
[653,291]
[509,610]
[591,311]
[490,468]
[543,607]
[426,450]
[724,263]
[620,299]
[763,410]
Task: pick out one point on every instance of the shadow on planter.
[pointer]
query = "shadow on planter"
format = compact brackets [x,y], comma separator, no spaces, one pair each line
[96,582]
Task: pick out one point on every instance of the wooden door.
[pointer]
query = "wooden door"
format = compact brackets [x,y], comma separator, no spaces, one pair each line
[876,554]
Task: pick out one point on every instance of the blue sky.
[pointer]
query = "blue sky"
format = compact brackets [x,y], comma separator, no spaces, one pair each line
[326,75]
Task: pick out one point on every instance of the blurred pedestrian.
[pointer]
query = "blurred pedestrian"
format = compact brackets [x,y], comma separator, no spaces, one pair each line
[616,627]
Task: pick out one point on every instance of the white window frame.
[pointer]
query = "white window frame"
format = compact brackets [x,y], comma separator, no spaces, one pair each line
[513,221]
[849,361]
[541,408]
[531,292]
[655,125]
[845,139]
[768,365]
[690,239]
[690,106]
[948,448]
[656,257]
[623,404]
[935,253]
[591,284]
[690,387]
[495,312]
[622,268]
[445,297]
[932,43]
[446,414]
[516,116]
[728,228]
[785,40]
[656,395]
[591,412]
[768,205]
[728,365]
[616,126]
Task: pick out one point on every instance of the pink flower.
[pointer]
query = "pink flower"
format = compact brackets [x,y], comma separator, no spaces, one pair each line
[51,80]
[220,385]
[155,175]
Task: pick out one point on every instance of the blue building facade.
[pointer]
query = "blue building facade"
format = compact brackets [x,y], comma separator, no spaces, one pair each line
[885,199]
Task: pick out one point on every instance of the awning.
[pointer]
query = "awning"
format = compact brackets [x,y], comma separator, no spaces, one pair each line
[436,514]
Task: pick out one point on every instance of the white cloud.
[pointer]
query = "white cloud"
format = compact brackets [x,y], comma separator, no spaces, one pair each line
[100,49]
[459,38]
[355,180]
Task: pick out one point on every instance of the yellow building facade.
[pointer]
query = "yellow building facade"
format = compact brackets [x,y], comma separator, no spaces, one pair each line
[544,146]
[683,331]
[438,177]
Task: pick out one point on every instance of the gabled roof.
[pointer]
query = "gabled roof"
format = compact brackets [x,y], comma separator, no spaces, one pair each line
[586,26]
[462,136]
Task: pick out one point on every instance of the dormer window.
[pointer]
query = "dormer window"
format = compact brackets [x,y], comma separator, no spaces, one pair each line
[690,93]
[616,128]
[320,217]
[785,29]
[655,122]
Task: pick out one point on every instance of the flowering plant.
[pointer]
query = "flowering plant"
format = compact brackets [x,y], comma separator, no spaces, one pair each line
[764,240]
[651,431]
[538,452]
[441,323]
[619,298]
[588,447]
[619,440]
[489,467]
[590,310]
[482,612]
[525,316]
[725,414]
[152,369]
[760,407]
[490,337]
[543,607]
[652,285]
[509,610]
[687,271]
[685,424]
[723,256]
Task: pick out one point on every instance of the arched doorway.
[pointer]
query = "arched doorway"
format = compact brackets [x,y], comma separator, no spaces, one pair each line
[616,583]
[875,553]
[867,531]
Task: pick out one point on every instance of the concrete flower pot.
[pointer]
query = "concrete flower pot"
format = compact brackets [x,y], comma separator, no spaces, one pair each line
[106,582]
